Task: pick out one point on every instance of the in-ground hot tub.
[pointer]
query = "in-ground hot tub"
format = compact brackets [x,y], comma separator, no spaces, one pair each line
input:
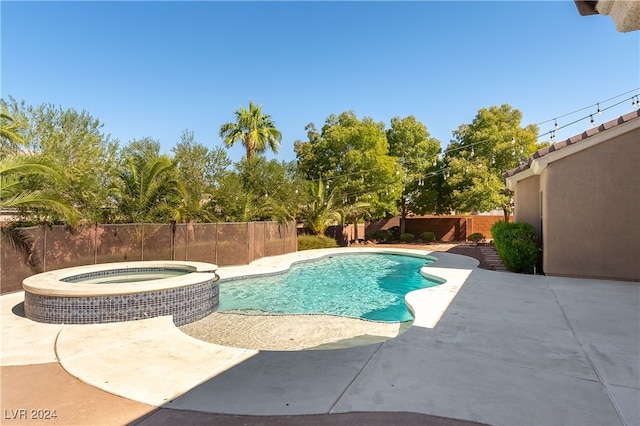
[124,291]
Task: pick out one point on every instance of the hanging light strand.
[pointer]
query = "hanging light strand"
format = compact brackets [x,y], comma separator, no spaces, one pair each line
[589,116]
[590,106]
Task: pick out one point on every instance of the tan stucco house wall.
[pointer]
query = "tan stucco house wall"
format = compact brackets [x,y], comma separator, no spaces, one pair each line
[583,197]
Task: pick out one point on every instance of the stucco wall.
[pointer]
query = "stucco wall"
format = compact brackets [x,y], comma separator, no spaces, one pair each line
[591,211]
[527,202]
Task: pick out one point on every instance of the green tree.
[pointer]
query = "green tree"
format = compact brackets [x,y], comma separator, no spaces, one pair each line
[148,190]
[352,157]
[38,203]
[142,150]
[417,153]
[73,142]
[321,209]
[258,189]
[11,138]
[481,152]
[203,169]
[13,127]
[43,202]
[254,129]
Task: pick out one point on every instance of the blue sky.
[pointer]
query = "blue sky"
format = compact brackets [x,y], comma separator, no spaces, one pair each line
[157,68]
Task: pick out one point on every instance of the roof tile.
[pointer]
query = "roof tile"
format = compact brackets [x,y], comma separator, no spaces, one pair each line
[573,139]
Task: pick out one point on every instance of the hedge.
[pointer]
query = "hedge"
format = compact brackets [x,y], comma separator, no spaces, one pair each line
[309,242]
[517,245]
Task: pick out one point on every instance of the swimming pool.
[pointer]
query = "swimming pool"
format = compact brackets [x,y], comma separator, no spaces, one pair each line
[368,286]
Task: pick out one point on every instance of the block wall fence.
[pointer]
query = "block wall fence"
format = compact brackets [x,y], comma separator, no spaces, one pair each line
[445,228]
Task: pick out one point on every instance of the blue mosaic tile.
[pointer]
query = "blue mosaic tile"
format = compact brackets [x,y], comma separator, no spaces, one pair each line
[185,304]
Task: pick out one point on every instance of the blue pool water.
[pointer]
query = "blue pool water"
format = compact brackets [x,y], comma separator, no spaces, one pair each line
[368,286]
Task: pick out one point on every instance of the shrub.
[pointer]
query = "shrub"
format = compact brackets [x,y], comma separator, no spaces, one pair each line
[309,242]
[380,235]
[476,237]
[517,246]
[406,237]
[428,236]
[395,232]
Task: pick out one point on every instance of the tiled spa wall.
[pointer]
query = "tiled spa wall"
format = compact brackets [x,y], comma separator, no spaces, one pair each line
[186,304]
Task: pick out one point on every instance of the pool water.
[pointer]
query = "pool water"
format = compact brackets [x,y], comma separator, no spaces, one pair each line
[367,286]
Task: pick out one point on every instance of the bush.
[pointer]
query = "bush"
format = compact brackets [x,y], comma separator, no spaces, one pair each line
[476,237]
[380,235]
[517,245]
[406,237]
[310,242]
[395,232]
[428,236]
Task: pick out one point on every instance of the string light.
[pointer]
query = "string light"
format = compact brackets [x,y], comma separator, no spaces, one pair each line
[635,102]
[444,171]
[590,106]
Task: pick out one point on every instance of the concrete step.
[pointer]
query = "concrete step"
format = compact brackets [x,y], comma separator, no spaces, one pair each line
[491,257]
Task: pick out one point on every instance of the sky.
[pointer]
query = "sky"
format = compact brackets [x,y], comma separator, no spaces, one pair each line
[155,69]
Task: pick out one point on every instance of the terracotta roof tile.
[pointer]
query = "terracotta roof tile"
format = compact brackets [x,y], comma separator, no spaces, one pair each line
[573,140]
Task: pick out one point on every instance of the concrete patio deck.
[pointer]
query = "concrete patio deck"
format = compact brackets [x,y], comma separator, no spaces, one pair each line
[487,347]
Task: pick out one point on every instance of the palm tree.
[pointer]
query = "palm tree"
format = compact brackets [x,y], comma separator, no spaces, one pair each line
[254,129]
[14,194]
[321,211]
[149,191]
[9,130]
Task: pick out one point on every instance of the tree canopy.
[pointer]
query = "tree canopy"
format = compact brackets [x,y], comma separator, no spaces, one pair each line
[481,152]
[352,157]
[417,154]
[73,143]
[57,165]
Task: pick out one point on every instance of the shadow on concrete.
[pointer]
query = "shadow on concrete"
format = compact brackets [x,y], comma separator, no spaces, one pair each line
[169,417]
[510,349]
[19,310]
